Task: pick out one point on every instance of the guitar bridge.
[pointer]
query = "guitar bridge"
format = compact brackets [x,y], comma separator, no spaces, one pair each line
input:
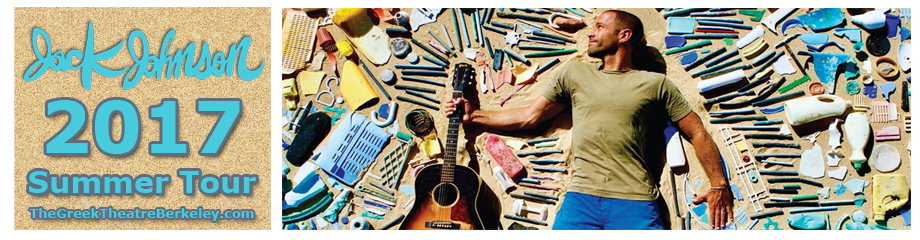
[442,225]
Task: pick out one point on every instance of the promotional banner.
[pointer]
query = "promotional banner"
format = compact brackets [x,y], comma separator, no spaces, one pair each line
[142,118]
[595,118]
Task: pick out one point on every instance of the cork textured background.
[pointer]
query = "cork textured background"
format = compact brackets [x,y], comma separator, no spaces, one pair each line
[655,27]
[246,149]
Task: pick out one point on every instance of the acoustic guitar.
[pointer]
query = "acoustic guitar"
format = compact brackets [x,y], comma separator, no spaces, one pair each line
[446,195]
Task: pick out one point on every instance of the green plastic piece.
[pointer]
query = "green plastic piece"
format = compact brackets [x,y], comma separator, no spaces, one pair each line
[794,84]
[859,201]
[688,47]
[808,221]
[792,186]
[729,41]
[547,144]
[806,197]
[753,175]
[771,225]
[852,87]
[756,15]
[551,53]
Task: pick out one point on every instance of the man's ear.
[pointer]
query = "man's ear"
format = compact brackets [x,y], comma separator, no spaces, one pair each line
[625,36]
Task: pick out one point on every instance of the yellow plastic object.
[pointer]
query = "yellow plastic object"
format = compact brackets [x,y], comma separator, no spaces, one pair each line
[889,192]
[309,81]
[755,49]
[288,89]
[430,145]
[345,48]
[368,39]
[525,74]
[354,86]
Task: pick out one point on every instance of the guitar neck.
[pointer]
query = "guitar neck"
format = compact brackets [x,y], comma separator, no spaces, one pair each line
[450,151]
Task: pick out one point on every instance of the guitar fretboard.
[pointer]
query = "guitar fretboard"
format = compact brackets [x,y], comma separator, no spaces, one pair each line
[450,153]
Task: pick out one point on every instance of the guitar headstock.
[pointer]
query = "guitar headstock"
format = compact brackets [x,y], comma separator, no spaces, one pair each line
[464,75]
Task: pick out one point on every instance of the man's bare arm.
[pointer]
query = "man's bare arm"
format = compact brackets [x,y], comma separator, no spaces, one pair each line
[510,119]
[719,196]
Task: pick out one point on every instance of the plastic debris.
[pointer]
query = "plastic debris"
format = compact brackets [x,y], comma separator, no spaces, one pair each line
[870,91]
[688,58]
[878,45]
[783,65]
[791,23]
[422,16]
[839,189]
[870,20]
[824,192]
[823,19]
[809,221]
[812,163]
[904,56]
[885,158]
[750,37]
[674,41]
[838,174]
[853,34]
[856,186]
[889,192]
[826,67]
[774,18]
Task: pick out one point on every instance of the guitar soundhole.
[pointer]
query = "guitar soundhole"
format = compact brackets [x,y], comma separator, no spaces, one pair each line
[446,194]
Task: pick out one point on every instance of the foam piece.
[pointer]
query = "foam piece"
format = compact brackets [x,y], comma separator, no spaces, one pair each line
[722,80]
[502,154]
[313,129]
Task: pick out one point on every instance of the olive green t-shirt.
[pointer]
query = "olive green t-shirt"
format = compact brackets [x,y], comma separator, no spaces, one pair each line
[611,112]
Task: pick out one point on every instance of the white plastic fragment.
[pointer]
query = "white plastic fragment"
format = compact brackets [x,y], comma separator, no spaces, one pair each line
[754,34]
[783,65]
[812,163]
[470,53]
[870,20]
[774,18]
[422,16]
[784,130]
[721,80]
[838,174]
[834,135]
[904,56]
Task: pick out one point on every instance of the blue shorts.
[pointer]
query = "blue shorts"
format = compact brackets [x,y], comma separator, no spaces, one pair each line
[580,211]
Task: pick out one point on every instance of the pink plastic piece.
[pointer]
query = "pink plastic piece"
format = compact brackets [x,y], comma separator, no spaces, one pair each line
[502,154]
[888,133]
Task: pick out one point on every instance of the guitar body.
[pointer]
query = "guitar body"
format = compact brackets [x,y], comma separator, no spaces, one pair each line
[440,206]
[447,195]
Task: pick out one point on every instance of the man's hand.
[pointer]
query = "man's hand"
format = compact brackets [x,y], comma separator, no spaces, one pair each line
[451,105]
[720,205]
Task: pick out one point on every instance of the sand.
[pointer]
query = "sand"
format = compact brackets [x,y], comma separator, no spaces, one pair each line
[560,126]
